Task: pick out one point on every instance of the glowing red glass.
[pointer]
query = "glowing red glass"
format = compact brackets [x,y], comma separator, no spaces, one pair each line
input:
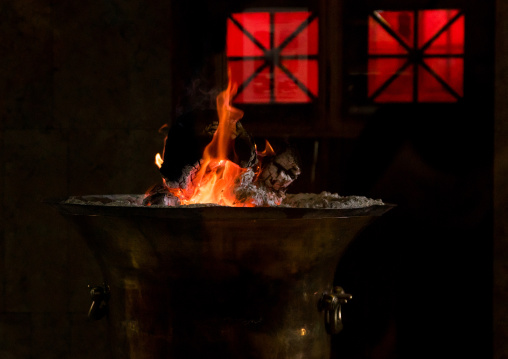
[273,56]
[426,66]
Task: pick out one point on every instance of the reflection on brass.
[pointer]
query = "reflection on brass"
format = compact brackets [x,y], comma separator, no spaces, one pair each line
[219,282]
[100,298]
[331,303]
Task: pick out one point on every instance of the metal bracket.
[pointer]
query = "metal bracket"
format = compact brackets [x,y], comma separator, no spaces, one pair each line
[100,298]
[331,303]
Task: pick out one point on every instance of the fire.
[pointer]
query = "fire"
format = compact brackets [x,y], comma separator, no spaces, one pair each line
[158,160]
[217,176]
[268,151]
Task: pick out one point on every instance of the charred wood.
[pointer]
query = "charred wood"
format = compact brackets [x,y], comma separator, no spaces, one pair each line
[185,142]
[279,171]
[244,148]
[159,195]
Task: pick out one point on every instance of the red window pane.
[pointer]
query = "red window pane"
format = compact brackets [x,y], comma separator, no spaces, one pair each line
[305,42]
[295,74]
[287,72]
[240,45]
[430,90]
[248,29]
[389,30]
[286,24]
[438,56]
[390,79]
[382,70]
[397,90]
[241,71]
[450,41]
[257,90]
[447,70]
[450,70]
[432,21]
[286,90]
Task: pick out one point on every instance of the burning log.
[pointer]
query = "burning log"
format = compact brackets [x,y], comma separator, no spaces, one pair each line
[265,185]
[184,143]
[280,170]
[206,161]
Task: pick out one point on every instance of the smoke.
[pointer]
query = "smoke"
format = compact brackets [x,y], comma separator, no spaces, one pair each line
[199,94]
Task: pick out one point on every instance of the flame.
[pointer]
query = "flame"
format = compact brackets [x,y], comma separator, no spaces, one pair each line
[268,151]
[217,176]
[158,160]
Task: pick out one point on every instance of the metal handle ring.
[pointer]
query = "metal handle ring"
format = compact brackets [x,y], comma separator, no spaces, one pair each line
[333,321]
[331,303]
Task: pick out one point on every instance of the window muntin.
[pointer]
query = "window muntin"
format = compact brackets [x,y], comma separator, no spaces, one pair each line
[273,56]
[416,56]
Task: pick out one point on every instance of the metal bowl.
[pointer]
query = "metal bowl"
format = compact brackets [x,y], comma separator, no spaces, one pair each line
[218,282]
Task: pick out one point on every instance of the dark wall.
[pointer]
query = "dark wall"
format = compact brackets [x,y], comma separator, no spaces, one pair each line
[500,292]
[414,271]
[85,89]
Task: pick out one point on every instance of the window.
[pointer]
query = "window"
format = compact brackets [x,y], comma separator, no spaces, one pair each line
[416,56]
[273,56]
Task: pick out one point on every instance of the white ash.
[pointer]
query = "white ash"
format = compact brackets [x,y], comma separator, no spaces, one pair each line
[161,199]
[188,175]
[128,200]
[328,200]
[262,197]
[107,200]
[159,195]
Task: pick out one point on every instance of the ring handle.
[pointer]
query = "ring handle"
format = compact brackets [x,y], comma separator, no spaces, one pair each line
[332,303]
[100,298]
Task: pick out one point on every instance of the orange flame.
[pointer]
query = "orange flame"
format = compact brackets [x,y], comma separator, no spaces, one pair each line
[268,151]
[217,176]
[158,160]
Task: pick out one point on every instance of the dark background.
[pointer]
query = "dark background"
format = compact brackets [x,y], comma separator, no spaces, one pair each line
[85,88]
